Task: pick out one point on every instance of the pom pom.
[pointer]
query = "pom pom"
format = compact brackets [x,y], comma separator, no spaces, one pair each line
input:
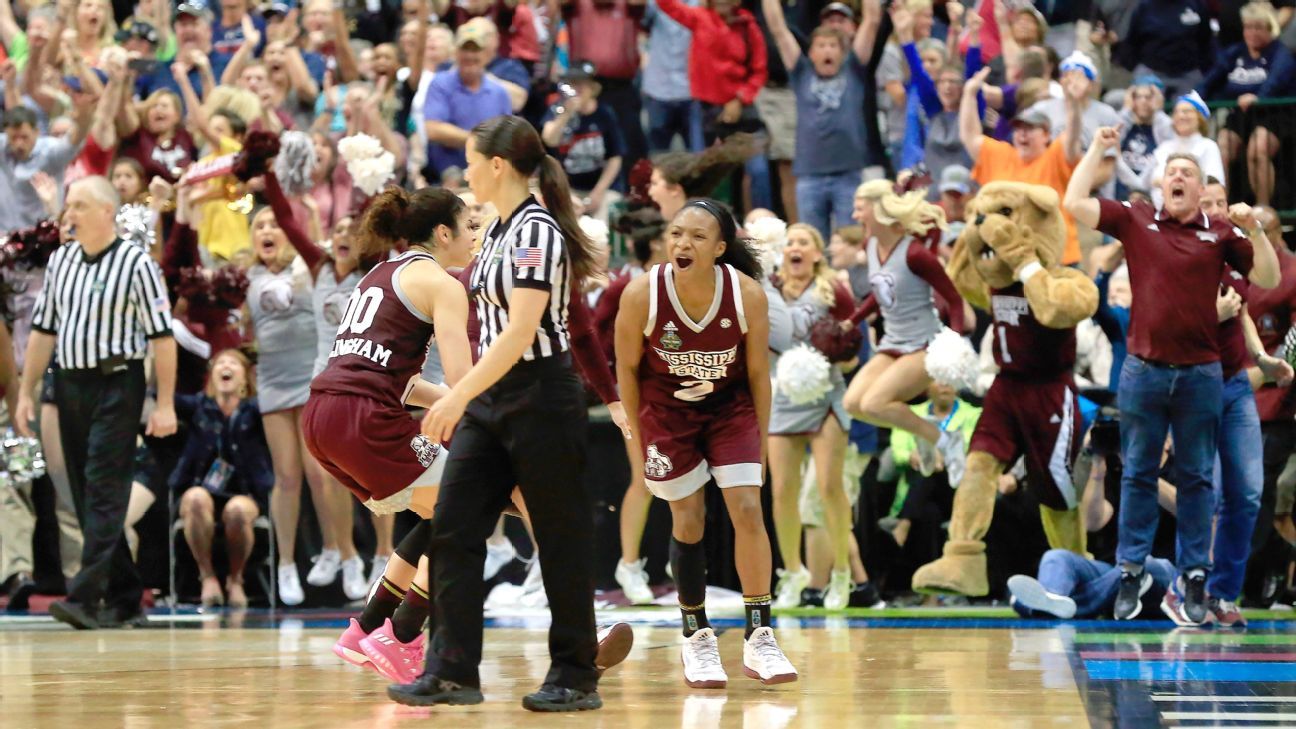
[135,226]
[30,248]
[397,502]
[229,287]
[193,286]
[804,375]
[296,163]
[770,235]
[258,148]
[836,343]
[952,361]
[369,165]
[640,177]
[594,229]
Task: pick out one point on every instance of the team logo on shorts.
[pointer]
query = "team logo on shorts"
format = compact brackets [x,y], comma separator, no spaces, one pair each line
[425,449]
[670,338]
[656,464]
[725,323]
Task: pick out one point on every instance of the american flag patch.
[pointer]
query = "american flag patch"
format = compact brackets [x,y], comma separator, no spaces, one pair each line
[528,257]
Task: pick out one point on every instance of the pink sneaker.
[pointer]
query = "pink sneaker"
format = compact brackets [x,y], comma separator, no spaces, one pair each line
[400,662]
[348,647]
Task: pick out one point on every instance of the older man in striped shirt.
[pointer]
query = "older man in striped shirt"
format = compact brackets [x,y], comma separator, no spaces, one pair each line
[103,300]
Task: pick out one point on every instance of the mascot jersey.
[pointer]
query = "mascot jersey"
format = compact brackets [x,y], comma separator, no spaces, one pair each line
[1024,348]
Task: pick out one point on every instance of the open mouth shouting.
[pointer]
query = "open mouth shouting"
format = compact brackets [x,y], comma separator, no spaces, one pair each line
[1177,192]
[683,261]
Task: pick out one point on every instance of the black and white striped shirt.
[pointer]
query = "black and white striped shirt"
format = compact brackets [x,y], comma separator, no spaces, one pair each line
[526,251]
[102,307]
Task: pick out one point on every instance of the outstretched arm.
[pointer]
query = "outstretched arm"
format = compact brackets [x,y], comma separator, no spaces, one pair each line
[789,50]
[311,253]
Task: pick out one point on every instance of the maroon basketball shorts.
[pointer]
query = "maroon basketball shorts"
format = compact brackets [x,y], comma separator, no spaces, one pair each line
[685,447]
[1037,420]
[373,448]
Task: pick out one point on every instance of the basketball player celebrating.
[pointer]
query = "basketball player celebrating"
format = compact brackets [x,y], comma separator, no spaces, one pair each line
[905,277]
[693,366]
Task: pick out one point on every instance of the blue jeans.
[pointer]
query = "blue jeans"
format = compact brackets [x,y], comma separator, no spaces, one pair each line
[668,118]
[1092,584]
[1185,402]
[762,190]
[826,201]
[1238,488]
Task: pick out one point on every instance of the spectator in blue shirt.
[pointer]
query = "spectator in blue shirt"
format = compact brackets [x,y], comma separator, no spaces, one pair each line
[829,84]
[193,31]
[586,138]
[1257,68]
[457,101]
[228,35]
[1171,39]
[671,108]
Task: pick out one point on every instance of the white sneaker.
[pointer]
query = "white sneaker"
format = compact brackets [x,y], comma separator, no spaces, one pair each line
[379,567]
[955,455]
[354,584]
[926,456]
[290,589]
[1031,594]
[790,586]
[838,594]
[497,556]
[633,579]
[764,660]
[327,565]
[701,656]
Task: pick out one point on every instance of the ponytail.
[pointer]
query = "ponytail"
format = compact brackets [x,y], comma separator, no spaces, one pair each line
[396,215]
[556,194]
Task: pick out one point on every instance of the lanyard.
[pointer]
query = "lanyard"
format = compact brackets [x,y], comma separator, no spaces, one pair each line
[945,423]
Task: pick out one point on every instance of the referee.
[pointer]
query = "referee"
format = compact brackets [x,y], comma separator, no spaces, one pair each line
[101,300]
[521,420]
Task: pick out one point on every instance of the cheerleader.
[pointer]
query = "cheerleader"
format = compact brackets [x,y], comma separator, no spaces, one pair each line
[905,277]
[812,292]
[281,315]
[693,366]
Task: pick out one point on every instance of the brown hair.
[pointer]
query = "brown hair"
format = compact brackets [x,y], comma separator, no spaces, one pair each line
[852,234]
[824,31]
[399,215]
[1189,158]
[700,174]
[249,372]
[512,138]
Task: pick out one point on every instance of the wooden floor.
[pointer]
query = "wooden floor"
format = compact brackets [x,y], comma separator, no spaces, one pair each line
[286,677]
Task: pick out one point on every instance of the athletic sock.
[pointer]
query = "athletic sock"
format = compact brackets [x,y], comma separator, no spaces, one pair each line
[688,564]
[757,611]
[408,621]
[386,598]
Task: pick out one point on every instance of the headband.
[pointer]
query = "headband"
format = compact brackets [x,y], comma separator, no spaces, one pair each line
[728,228]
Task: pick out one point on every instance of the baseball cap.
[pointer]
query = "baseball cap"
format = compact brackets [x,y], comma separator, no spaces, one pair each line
[837,7]
[1079,61]
[1148,79]
[74,82]
[956,178]
[1032,118]
[137,29]
[579,71]
[193,10]
[472,32]
[272,9]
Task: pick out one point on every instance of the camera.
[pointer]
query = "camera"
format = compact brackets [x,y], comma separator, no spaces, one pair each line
[566,92]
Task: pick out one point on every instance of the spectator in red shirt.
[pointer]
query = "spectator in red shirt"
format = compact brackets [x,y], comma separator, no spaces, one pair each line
[726,63]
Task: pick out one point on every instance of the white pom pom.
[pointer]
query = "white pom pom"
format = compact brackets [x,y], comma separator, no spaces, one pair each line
[358,147]
[952,361]
[397,502]
[596,230]
[804,375]
[370,175]
[770,235]
[296,162]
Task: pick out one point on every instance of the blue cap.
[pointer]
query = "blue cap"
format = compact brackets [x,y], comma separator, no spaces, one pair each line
[1194,99]
[1079,61]
[1148,79]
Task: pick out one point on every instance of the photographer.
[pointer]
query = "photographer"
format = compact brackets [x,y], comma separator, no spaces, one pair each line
[586,139]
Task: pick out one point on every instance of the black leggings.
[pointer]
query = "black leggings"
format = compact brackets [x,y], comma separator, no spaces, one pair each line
[529,429]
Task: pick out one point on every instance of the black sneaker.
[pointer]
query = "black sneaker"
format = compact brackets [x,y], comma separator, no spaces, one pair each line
[428,690]
[1129,601]
[1194,597]
[117,618]
[811,597]
[74,614]
[866,596]
[558,698]
[20,588]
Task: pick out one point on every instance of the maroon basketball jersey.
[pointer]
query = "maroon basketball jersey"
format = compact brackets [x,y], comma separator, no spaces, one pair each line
[698,362]
[1023,347]
[382,341]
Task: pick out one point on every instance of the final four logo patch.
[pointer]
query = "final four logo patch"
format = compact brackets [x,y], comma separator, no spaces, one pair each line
[670,338]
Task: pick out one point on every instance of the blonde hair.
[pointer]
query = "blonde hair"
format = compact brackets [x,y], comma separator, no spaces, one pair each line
[107,30]
[910,211]
[824,277]
[1264,11]
[240,101]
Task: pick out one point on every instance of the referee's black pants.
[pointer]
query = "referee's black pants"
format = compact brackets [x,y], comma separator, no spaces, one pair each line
[529,429]
[99,417]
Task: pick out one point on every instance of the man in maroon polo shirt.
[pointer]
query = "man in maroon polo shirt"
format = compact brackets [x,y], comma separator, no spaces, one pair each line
[1172,379]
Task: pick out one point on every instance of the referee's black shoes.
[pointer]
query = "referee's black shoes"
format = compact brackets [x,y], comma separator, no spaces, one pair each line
[20,588]
[428,690]
[74,614]
[558,698]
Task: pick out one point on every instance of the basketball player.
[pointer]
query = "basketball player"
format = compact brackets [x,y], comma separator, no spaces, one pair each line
[693,365]
[905,277]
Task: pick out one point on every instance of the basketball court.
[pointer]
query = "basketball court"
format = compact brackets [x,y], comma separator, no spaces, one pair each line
[976,667]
